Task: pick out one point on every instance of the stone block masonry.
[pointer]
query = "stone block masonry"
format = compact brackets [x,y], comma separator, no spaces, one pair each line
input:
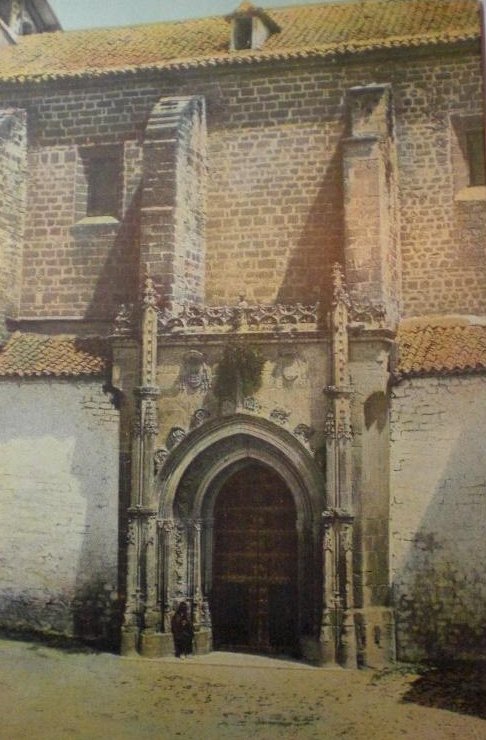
[275,203]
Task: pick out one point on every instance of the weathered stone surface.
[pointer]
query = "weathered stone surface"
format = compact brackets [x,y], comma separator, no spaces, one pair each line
[59,509]
[437,526]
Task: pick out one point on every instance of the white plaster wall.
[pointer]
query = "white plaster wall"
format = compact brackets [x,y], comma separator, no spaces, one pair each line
[58,507]
[438,516]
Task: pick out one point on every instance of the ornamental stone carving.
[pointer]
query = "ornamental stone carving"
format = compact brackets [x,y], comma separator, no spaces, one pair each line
[124,321]
[252,404]
[175,437]
[160,456]
[192,319]
[199,417]
[291,369]
[304,431]
[195,373]
[280,415]
[371,315]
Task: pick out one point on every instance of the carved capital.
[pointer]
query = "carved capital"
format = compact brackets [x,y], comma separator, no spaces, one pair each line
[147,391]
[330,426]
[137,512]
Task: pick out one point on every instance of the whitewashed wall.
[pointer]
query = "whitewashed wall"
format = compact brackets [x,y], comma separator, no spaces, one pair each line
[438,516]
[58,508]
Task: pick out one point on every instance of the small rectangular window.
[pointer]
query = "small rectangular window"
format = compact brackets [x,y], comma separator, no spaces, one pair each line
[103,177]
[475,157]
[243,30]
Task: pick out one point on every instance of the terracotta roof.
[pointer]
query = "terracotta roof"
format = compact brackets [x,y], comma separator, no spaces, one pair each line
[428,349]
[31,355]
[319,30]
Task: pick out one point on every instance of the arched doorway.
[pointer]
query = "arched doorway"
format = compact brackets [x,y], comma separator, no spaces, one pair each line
[254,593]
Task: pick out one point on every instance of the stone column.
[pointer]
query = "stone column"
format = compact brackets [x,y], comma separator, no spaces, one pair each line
[142,609]
[338,635]
[166,529]
[329,635]
[348,643]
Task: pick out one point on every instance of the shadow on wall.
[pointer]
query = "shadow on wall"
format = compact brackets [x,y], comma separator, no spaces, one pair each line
[440,588]
[319,245]
[118,281]
[59,511]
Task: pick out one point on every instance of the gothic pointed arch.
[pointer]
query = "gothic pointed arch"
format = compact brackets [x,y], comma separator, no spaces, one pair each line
[185,485]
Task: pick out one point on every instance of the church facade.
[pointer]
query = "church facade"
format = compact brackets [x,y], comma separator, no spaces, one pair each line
[243,307]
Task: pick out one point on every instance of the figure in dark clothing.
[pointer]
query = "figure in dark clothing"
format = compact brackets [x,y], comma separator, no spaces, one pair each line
[182,631]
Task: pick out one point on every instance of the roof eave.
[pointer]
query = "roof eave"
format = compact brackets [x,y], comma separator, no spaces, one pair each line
[253,57]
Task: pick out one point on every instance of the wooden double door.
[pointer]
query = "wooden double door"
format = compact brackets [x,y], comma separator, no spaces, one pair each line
[254,600]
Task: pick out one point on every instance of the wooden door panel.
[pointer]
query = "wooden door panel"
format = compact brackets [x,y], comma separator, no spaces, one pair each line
[254,563]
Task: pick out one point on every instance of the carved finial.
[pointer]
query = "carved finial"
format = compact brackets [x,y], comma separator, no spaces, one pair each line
[339,287]
[150,297]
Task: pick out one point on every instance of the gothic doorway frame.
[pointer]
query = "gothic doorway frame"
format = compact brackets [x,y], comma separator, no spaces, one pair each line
[188,486]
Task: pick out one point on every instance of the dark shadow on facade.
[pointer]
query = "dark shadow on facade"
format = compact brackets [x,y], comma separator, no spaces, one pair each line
[118,280]
[319,245]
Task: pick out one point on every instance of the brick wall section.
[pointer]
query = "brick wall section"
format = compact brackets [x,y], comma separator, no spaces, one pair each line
[59,509]
[437,527]
[274,198]
[13,152]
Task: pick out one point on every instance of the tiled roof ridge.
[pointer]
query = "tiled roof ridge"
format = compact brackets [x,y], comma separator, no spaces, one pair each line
[61,356]
[316,30]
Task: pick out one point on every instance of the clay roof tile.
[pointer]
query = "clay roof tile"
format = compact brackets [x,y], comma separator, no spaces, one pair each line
[34,355]
[316,30]
[440,349]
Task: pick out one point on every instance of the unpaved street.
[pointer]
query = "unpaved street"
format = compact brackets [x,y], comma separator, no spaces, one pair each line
[49,694]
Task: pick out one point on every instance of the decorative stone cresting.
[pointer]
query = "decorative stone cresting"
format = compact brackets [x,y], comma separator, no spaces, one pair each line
[242,318]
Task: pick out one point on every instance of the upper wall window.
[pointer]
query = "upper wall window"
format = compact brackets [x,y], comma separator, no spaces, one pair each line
[475,157]
[103,178]
[468,159]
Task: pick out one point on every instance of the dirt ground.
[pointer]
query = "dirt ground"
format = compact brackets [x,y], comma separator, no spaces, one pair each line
[49,694]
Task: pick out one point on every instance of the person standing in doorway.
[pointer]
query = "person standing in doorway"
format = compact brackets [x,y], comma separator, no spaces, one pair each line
[182,631]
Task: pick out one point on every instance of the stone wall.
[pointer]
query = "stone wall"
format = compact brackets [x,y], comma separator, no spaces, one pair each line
[438,528]
[59,509]
[13,148]
[275,211]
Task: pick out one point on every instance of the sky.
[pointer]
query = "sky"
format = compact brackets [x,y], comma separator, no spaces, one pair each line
[89,13]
